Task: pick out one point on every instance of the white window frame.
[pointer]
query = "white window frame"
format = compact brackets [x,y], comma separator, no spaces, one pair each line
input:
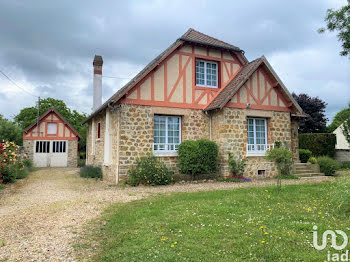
[205,73]
[160,152]
[257,151]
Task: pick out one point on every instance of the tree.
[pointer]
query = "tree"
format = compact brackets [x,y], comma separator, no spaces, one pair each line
[28,115]
[314,107]
[10,131]
[339,20]
[339,118]
[346,129]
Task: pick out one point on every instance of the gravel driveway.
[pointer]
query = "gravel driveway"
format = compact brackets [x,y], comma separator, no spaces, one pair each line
[41,215]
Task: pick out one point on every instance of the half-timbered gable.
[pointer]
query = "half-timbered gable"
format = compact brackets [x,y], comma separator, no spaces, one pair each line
[51,141]
[199,87]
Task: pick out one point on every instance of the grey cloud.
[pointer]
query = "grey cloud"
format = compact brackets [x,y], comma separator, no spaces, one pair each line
[51,44]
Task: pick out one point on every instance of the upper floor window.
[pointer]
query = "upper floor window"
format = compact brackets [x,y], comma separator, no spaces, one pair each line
[52,128]
[167,133]
[206,73]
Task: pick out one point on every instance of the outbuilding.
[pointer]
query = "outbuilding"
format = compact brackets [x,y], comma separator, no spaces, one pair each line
[51,141]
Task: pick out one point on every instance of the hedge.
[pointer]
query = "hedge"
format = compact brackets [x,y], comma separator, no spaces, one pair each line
[198,157]
[320,144]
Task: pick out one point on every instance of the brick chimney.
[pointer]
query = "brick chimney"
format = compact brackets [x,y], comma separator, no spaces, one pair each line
[97,83]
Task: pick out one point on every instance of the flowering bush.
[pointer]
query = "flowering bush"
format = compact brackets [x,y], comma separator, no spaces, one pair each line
[150,170]
[11,165]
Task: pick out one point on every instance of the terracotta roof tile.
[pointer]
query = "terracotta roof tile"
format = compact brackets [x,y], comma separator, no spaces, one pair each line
[197,37]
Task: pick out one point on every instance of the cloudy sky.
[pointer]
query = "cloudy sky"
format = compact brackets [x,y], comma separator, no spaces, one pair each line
[47,47]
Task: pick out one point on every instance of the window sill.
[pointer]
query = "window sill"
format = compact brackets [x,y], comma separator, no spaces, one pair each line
[252,154]
[165,154]
[205,87]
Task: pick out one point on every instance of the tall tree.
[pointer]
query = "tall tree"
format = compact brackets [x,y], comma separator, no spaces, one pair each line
[339,118]
[28,115]
[346,129]
[10,131]
[339,20]
[315,108]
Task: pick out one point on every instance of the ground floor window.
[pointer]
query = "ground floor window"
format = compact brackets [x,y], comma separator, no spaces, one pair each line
[167,133]
[42,147]
[257,135]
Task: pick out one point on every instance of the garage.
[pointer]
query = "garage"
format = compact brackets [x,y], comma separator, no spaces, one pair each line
[50,153]
[51,141]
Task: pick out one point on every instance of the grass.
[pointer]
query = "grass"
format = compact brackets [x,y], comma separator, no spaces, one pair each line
[2,186]
[250,224]
[287,177]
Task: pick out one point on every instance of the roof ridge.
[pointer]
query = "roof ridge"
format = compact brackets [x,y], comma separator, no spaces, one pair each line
[193,30]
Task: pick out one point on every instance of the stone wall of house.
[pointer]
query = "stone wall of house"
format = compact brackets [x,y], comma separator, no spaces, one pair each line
[96,158]
[28,147]
[230,133]
[136,132]
[131,129]
[295,140]
[72,160]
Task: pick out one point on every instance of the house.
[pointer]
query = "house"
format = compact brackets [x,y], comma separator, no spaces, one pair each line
[51,141]
[199,87]
[342,147]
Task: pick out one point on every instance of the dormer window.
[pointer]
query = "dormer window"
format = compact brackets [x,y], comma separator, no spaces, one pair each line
[206,73]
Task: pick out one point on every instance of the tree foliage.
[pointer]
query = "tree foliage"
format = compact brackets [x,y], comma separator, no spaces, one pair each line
[339,118]
[346,129]
[28,115]
[339,20]
[10,131]
[315,109]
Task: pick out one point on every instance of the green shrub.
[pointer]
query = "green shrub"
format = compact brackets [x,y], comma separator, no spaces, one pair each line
[91,172]
[304,155]
[345,165]
[312,160]
[9,174]
[236,166]
[283,158]
[198,157]
[319,144]
[81,162]
[28,163]
[22,173]
[328,166]
[149,170]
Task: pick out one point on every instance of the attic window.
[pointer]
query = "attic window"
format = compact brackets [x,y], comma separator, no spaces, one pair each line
[52,128]
[206,73]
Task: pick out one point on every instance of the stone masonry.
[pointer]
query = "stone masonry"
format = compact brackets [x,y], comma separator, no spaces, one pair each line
[131,131]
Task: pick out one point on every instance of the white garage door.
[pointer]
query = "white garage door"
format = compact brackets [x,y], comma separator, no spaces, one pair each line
[50,153]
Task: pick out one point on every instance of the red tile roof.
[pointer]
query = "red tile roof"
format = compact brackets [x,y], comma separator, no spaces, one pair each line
[197,37]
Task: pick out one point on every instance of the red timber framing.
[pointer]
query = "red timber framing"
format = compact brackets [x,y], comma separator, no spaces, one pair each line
[258,100]
[63,130]
[183,92]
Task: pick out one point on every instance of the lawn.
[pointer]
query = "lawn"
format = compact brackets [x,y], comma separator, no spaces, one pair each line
[250,224]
